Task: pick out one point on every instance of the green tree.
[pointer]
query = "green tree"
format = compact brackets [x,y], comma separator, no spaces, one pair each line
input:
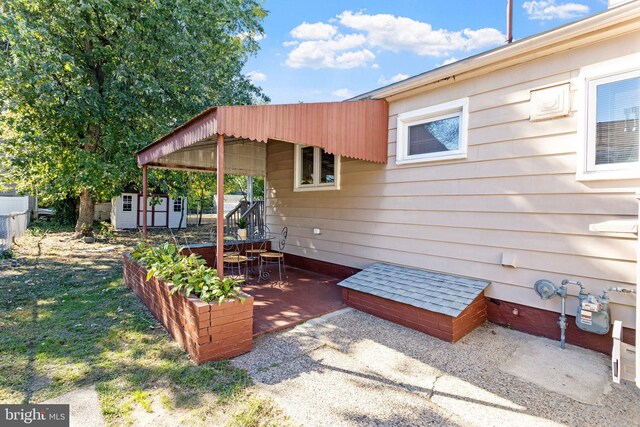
[85,84]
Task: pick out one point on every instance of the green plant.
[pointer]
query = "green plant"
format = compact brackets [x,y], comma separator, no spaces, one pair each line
[106,231]
[242,223]
[65,210]
[6,253]
[187,274]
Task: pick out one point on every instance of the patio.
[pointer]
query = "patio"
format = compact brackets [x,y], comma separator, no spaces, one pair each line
[302,296]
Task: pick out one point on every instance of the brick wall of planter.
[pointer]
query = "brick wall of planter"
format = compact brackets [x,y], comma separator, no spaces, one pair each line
[207,331]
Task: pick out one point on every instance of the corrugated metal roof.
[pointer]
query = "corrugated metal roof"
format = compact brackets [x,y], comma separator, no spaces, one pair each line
[356,129]
[437,292]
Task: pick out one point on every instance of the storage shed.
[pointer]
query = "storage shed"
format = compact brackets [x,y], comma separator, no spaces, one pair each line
[162,211]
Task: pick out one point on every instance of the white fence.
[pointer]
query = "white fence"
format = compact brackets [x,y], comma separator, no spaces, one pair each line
[12,226]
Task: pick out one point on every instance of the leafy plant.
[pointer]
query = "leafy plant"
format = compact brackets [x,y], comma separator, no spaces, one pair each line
[242,223]
[185,273]
[106,231]
[6,253]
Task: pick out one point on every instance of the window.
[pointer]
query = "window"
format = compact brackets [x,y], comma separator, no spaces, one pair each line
[315,169]
[127,203]
[177,204]
[612,127]
[433,133]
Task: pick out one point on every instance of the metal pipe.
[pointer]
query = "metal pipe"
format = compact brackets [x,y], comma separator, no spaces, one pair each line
[566,282]
[562,322]
[144,201]
[509,21]
[220,202]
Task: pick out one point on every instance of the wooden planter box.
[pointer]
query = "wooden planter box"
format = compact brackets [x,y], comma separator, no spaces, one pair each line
[207,331]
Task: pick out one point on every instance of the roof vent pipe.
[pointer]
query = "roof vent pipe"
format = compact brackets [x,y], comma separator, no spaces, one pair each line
[509,21]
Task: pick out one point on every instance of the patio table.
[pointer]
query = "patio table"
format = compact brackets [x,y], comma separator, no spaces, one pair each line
[255,240]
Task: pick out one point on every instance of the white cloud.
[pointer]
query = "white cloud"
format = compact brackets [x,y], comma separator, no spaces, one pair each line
[398,33]
[257,76]
[317,31]
[375,66]
[342,93]
[543,10]
[448,61]
[334,53]
[323,45]
[398,77]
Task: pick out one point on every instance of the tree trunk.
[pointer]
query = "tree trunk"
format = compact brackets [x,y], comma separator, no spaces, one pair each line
[85,216]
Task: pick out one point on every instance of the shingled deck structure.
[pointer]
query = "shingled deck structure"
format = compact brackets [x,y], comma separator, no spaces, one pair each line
[442,305]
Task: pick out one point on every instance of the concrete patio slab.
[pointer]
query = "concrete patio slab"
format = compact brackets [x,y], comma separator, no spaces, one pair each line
[351,369]
[575,372]
[84,407]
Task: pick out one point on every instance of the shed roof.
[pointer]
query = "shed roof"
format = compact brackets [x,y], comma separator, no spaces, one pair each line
[356,129]
[437,292]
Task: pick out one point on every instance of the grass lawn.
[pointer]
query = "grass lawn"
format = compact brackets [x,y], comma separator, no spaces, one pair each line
[67,321]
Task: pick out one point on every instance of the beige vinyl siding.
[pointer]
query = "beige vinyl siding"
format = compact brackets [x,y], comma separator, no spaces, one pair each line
[515,192]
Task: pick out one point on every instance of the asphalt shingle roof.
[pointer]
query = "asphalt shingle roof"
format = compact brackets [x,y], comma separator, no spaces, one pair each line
[437,292]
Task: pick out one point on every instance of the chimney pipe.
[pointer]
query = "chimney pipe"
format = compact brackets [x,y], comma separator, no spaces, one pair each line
[509,21]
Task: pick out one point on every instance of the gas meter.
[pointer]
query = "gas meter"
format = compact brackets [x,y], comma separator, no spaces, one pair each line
[593,313]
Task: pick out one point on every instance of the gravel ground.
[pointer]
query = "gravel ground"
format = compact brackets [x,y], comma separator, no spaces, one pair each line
[350,368]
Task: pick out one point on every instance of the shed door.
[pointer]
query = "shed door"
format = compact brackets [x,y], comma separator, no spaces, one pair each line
[157,211]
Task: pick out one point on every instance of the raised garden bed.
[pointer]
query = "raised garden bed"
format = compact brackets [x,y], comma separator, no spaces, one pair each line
[206,330]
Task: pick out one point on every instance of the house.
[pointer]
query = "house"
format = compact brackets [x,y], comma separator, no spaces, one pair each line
[163,211]
[514,165]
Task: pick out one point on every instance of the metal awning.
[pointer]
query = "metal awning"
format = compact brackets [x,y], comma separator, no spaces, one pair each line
[233,139]
[356,129]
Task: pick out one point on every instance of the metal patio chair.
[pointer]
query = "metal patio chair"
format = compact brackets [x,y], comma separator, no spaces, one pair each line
[273,257]
[232,257]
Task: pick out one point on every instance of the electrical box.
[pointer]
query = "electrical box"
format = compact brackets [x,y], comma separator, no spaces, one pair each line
[593,314]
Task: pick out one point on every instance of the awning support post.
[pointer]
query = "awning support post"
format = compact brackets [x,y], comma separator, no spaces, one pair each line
[144,201]
[220,203]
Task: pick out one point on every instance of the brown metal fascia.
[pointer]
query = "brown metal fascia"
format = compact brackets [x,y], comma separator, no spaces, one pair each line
[355,129]
[184,135]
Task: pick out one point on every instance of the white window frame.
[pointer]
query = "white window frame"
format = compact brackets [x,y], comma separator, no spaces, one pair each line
[177,203]
[604,73]
[456,108]
[130,203]
[316,186]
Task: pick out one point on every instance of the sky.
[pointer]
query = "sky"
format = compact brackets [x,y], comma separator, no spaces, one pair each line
[331,50]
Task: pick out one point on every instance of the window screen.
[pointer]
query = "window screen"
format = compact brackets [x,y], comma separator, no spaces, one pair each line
[306,166]
[127,202]
[435,136]
[327,167]
[617,111]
